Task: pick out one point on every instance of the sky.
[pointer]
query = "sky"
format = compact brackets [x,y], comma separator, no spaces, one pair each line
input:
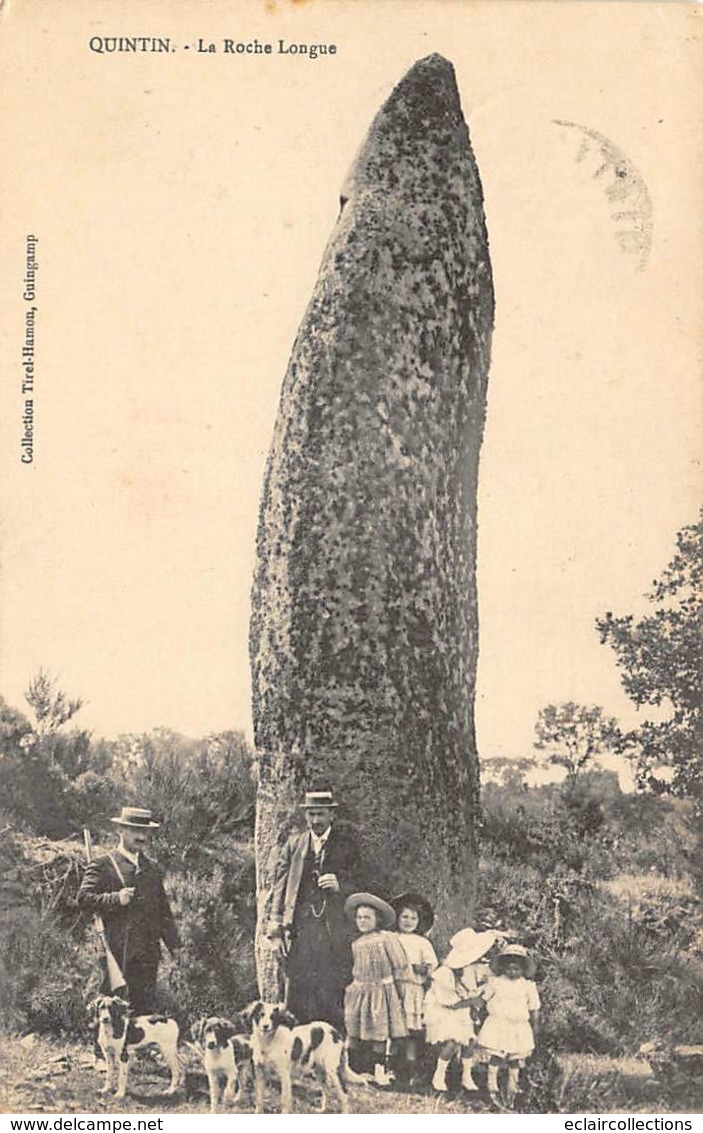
[182,202]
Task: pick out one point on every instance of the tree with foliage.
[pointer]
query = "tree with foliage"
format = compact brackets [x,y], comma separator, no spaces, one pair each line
[573,735]
[51,707]
[203,789]
[52,781]
[659,657]
[505,771]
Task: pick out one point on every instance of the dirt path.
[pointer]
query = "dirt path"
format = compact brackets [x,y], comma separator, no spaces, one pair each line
[45,1076]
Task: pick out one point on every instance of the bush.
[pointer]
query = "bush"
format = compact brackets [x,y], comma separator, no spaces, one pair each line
[617,954]
[43,975]
[547,828]
[612,974]
[215,906]
[200,789]
[48,960]
[52,782]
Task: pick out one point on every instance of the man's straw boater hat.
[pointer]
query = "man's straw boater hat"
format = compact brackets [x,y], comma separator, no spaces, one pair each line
[136,817]
[318,798]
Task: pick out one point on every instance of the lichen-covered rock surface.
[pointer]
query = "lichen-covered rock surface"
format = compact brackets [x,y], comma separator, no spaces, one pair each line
[364,631]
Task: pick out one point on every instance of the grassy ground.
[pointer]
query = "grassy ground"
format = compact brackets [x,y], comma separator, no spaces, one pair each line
[43,1076]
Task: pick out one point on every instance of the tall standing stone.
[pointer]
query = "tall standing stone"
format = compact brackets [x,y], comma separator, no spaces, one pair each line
[364,630]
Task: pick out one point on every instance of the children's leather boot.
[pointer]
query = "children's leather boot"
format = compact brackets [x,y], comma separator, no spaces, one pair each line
[439,1082]
[511,1087]
[493,1088]
[467,1079]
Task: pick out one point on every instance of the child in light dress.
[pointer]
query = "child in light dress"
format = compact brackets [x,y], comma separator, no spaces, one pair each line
[449,1004]
[414,918]
[373,1008]
[507,1037]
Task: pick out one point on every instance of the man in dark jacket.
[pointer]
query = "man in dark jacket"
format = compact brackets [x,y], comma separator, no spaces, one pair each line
[312,880]
[126,890]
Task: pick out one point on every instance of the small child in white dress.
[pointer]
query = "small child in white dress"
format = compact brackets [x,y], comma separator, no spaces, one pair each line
[414,918]
[452,995]
[507,1036]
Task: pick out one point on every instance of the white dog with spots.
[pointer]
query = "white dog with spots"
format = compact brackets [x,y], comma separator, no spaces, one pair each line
[280,1044]
[119,1034]
[224,1052]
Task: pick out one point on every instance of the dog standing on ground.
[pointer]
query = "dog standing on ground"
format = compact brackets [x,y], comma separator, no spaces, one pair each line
[281,1044]
[119,1034]
[224,1052]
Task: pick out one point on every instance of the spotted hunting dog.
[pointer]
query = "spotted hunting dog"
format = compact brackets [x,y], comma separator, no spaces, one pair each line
[224,1052]
[119,1034]
[291,1049]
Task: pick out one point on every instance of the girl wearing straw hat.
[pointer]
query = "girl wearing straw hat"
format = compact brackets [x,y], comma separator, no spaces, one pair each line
[452,995]
[507,1037]
[373,1010]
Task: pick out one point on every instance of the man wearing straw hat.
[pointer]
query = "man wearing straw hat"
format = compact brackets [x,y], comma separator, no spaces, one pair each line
[125,888]
[312,879]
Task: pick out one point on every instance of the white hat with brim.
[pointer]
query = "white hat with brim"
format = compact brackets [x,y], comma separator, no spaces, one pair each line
[136,817]
[372,902]
[514,952]
[468,946]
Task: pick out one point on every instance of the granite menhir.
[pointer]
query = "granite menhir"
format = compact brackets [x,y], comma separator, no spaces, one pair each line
[364,628]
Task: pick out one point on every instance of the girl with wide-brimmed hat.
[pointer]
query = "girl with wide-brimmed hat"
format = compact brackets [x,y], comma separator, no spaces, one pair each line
[373,1010]
[452,997]
[414,918]
[507,1037]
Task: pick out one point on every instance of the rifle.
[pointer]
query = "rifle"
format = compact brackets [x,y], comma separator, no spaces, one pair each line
[115,977]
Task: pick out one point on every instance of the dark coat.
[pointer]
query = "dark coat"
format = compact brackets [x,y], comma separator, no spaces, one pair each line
[133,931]
[341,858]
[313,924]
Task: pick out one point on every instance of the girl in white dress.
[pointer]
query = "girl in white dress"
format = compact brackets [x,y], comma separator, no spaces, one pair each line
[414,918]
[450,1000]
[507,1037]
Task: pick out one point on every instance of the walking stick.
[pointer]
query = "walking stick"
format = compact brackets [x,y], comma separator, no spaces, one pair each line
[282,961]
[115,978]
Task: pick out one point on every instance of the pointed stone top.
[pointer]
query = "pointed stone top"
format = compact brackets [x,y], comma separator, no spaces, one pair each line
[425,95]
[433,68]
[419,130]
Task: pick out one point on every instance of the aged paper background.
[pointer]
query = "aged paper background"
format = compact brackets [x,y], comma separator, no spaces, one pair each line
[182,202]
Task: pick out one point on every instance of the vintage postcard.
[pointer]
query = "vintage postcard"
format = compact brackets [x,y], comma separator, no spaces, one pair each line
[351,436]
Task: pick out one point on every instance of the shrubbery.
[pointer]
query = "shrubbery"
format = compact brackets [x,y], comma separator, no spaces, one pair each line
[204,791]
[216,910]
[617,957]
[44,974]
[600,886]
